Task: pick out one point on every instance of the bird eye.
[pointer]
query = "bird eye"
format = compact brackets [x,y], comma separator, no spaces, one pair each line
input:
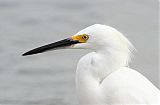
[85,37]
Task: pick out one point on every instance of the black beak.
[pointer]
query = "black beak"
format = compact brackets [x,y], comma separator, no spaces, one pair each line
[53,46]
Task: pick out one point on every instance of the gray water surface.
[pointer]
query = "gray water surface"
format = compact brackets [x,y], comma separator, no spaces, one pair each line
[48,79]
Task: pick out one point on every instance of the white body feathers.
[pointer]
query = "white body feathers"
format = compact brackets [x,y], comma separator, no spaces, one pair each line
[102,77]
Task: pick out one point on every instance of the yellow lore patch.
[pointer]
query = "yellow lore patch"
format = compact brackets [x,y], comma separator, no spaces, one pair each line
[81,38]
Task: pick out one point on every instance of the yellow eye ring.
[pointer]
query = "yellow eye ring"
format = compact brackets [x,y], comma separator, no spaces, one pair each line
[81,38]
[85,37]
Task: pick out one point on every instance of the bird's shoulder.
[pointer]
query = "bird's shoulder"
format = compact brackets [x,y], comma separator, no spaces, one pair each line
[126,77]
[127,82]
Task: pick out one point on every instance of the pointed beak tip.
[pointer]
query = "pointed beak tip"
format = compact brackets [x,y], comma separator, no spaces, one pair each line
[28,53]
[24,54]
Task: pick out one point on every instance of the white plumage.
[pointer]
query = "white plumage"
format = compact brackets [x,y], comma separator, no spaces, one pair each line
[103,76]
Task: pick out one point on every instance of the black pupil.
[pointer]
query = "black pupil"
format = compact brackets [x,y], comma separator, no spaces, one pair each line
[85,37]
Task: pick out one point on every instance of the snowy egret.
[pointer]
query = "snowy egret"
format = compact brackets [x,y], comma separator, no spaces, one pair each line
[103,76]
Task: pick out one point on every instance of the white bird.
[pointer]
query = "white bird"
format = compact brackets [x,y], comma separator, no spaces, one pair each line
[103,76]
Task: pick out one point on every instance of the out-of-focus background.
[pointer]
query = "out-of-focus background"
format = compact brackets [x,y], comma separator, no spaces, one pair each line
[48,79]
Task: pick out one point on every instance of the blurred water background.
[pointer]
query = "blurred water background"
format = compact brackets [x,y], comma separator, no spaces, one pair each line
[48,79]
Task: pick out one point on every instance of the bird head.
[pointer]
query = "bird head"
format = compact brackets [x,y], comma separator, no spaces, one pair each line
[94,37]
